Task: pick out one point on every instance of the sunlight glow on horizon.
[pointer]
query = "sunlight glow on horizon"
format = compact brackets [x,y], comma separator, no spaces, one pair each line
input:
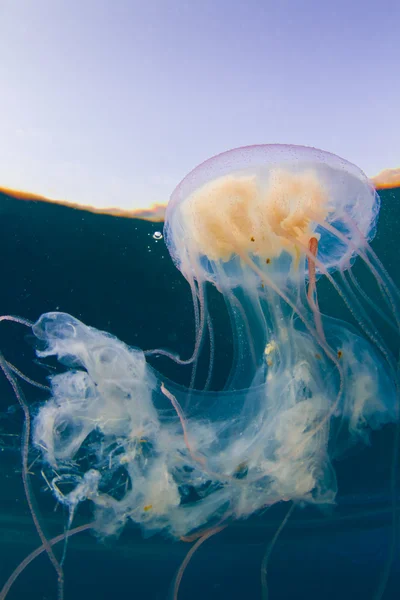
[386,179]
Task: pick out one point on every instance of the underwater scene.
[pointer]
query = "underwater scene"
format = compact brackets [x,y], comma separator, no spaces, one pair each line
[208,406]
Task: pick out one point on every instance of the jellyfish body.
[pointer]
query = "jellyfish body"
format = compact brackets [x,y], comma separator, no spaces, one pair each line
[261,224]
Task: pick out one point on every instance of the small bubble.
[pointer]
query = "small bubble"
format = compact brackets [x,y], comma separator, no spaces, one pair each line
[157,235]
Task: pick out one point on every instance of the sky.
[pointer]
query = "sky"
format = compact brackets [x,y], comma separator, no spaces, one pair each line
[111,103]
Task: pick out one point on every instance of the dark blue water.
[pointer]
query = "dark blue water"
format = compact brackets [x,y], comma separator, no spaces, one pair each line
[112,274]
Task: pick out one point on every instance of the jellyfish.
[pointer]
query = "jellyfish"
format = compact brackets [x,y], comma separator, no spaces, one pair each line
[264,225]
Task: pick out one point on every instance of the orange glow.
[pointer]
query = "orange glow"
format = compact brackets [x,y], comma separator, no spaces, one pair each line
[154,213]
[386,179]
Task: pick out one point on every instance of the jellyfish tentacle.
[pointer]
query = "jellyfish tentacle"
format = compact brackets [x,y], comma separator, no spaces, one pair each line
[182,419]
[14,319]
[358,289]
[268,552]
[25,468]
[28,559]
[212,352]
[312,298]
[21,375]
[189,555]
[312,283]
[324,345]
[383,280]
[365,322]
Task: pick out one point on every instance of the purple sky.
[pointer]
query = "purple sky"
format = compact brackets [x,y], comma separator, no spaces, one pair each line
[112,102]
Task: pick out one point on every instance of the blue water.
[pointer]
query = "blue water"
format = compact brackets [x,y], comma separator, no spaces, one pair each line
[112,274]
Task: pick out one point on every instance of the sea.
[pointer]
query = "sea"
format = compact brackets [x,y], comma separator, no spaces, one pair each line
[115,274]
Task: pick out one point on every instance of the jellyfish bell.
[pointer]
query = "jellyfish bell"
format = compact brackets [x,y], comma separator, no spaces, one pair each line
[265,203]
[261,224]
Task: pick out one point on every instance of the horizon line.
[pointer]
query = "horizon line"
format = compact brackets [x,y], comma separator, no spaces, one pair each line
[384,180]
